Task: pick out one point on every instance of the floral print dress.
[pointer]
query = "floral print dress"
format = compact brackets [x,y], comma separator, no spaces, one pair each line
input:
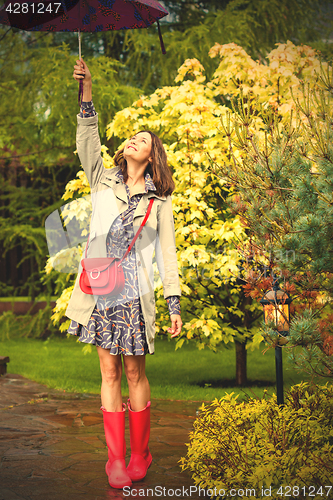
[117,323]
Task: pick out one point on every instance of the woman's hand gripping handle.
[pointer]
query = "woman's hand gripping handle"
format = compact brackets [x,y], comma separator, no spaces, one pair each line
[82,73]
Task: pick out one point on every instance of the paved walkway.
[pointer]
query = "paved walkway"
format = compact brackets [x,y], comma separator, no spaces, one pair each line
[52,446]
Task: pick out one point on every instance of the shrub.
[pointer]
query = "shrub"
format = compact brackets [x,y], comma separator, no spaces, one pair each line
[37,325]
[259,444]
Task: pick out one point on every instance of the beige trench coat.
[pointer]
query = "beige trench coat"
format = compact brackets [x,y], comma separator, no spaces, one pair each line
[109,199]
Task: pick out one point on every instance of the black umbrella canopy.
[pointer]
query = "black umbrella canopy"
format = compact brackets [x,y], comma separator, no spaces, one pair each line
[81,15]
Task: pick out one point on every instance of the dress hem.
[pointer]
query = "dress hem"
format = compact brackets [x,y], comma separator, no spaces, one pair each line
[93,342]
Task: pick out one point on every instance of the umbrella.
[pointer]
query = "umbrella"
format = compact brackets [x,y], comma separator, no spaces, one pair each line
[82,16]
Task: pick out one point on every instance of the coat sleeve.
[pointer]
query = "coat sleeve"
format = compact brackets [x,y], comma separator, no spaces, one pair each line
[165,250]
[88,146]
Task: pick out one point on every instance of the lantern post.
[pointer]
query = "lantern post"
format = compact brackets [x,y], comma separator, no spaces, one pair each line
[276,304]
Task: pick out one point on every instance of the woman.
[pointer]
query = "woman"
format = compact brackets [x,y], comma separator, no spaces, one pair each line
[124,326]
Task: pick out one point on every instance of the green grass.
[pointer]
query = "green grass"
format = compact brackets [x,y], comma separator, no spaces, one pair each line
[61,364]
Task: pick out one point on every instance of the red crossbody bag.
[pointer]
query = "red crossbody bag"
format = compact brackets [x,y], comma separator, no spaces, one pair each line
[105,275]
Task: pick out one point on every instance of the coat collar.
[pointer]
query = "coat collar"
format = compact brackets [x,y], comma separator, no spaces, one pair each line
[115,174]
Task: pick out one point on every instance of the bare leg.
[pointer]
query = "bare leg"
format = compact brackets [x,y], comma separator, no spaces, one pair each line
[111,370]
[138,385]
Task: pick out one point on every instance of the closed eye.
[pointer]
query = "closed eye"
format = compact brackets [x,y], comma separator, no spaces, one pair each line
[142,140]
[134,137]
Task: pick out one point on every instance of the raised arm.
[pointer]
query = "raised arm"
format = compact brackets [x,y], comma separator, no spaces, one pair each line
[87,137]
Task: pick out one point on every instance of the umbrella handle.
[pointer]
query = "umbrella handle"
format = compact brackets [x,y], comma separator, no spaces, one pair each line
[79,35]
[80,95]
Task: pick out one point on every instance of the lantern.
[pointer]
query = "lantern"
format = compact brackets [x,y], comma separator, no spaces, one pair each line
[276,304]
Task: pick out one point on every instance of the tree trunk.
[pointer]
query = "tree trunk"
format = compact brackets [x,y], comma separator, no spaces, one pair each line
[241,372]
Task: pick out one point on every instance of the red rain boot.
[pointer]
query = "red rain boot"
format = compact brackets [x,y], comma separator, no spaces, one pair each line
[141,458]
[114,427]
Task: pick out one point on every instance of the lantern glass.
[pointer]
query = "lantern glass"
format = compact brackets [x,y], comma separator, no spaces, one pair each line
[276,309]
[278,314]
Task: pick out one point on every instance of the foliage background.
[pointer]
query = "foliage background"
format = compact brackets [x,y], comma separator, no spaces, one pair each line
[39,129]
[210,236]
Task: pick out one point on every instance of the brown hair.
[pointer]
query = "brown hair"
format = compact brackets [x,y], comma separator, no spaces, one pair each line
[158,169]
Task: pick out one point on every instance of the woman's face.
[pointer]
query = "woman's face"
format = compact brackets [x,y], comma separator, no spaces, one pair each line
[138,148]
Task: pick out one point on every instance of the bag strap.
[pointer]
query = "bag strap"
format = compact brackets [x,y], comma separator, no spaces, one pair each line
[135,237]
[138,231]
